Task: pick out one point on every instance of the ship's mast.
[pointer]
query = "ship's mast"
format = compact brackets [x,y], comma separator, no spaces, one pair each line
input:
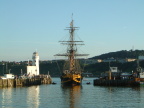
[71,49]
[71,52]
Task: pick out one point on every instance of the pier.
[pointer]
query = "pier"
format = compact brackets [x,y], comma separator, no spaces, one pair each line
[25,81]
[126,82]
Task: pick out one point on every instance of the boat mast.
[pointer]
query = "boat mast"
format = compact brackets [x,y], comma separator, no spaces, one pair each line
[71,50]
[71,47]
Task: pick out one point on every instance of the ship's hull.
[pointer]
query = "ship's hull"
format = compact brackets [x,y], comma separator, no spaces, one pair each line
[71,79]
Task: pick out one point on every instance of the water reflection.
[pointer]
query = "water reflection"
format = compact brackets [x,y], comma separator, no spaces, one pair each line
[33,96]
[72,96]
[85,96]
[6,96]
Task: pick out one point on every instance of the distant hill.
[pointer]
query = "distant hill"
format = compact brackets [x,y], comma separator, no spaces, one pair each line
[121,54]
[55,68]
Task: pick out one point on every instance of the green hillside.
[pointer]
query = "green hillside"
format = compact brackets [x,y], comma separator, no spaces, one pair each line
[55,68]
[121,54]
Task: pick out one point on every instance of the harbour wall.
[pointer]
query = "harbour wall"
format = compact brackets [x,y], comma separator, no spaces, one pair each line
[103,82]
[24,82]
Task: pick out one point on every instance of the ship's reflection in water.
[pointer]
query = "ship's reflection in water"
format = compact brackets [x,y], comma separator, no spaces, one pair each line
[72,95]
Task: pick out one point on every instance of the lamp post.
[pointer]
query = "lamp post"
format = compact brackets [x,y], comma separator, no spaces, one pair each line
[21,72]
[9,71]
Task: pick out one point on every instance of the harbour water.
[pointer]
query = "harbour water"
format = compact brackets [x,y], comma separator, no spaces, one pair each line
[85,96]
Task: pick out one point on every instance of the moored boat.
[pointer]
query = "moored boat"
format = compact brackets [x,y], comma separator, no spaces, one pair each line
[8,76]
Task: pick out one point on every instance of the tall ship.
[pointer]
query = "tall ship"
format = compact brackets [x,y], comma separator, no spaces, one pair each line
[72,71]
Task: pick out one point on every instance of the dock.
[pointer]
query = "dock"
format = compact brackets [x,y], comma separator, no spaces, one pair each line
[25,81]
[126,82]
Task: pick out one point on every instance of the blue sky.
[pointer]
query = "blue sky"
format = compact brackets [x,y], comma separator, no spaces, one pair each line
[105,26]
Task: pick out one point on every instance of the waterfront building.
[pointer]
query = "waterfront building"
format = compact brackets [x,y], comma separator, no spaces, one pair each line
[141,58]
[34,69]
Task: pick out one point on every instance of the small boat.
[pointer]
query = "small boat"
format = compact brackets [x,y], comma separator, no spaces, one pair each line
[53,83]
[88,83]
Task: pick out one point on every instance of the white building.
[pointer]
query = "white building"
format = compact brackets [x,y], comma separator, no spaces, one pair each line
[141,57]
[34,69]
[113,69]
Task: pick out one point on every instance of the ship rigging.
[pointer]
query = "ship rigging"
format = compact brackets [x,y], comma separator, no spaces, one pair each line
[72,72]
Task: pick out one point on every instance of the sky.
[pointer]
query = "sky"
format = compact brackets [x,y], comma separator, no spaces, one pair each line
[106,26]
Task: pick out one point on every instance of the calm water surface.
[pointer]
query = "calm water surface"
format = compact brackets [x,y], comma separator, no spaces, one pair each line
[85,96]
